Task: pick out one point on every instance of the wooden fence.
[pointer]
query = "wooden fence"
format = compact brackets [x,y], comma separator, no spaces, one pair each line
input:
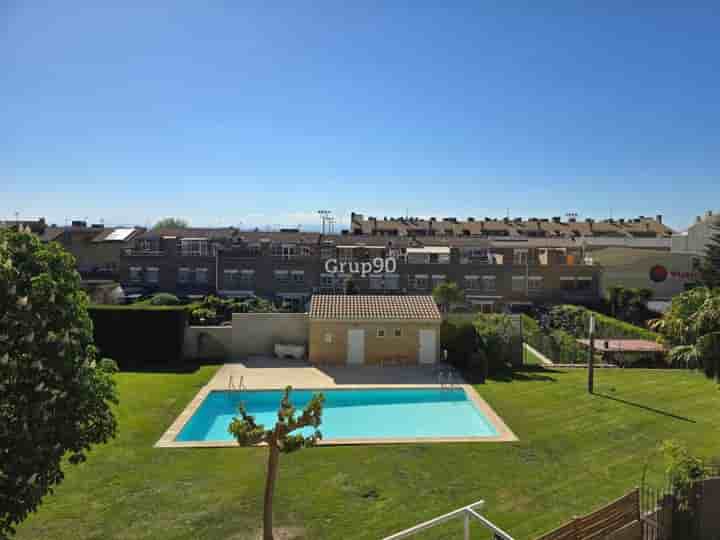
[619,520]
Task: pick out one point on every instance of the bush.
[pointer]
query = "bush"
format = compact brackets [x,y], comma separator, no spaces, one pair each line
[164,299]
[135,336]
[495,342]
[459,339]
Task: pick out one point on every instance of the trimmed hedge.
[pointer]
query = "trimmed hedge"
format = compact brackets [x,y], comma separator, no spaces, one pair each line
[607,327]
[139,335]
[559,346]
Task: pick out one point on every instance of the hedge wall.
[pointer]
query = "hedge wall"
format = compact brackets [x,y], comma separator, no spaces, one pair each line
[611,328]
[559,346]
[137,336]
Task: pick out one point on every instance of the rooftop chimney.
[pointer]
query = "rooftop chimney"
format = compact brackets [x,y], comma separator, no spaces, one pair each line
[658,218]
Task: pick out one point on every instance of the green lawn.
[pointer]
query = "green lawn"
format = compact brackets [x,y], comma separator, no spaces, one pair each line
[575,452]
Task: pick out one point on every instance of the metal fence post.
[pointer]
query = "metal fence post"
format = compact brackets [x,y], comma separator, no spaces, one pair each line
[467,527]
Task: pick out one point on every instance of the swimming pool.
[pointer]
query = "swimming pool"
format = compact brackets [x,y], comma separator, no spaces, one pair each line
[350,414]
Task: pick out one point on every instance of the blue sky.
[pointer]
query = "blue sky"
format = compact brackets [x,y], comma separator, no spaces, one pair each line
[259,113]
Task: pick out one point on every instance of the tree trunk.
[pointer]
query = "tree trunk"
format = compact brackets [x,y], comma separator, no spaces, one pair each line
[273,458]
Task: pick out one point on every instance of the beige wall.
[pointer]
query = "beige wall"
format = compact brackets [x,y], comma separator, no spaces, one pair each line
[258,333]
[403,349]
[208,342]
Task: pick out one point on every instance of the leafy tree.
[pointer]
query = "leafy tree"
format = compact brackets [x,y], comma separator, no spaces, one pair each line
[710,267]
[54,396]
[171,223]
[692,328]
[278,439]
[446,294]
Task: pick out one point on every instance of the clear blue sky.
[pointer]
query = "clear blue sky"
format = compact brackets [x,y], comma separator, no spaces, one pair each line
[263,113]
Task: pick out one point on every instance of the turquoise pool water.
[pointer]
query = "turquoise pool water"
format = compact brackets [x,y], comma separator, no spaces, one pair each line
[350,414]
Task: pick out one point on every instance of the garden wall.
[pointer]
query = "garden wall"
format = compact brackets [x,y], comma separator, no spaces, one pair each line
[208,342]
[258,333]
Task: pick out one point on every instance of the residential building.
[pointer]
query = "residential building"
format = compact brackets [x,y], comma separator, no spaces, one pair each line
[289,266]
[695,239]
[97,249]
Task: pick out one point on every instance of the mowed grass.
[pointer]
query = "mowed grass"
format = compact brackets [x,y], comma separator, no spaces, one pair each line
[575,452]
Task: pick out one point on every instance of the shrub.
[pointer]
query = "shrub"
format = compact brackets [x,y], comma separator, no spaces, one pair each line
[495,341]
[164,299]
[134,336]
[459,339]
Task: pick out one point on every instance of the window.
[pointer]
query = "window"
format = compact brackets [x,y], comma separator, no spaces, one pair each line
[151,274]
[419,281]
[230,279]
[282,276]
[381,332]
[376,282]
[472,282]
[397,332]
[328,338]
[391,281]
[306,251]
[567,283]
[327,280]
[194,247]
[518,283]
[489,283]
[183,275]
[535,283]
[247,277]
[298,276]
[520,256]
[584,283]
[201,275]
[437,279]
[135,274]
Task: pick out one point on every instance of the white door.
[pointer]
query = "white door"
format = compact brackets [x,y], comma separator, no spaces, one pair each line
[428,347]
[356,346]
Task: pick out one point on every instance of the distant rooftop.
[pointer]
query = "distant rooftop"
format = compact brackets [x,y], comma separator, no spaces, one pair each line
[639,227]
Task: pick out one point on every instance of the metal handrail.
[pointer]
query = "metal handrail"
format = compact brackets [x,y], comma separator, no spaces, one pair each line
[468,512]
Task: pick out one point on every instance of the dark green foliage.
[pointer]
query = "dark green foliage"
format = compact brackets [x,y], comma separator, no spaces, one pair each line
[213,310]
[692,327]
[54,396]
[556,344]
[171,223]
[575,320]
[460,340]
[164,299]
[710,267]
[629,305]
[498,342]
[446,294]
[136,336]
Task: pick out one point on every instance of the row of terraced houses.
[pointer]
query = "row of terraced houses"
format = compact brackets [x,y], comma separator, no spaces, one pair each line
[498,263]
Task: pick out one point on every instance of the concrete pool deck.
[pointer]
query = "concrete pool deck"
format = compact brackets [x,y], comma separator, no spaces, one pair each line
[264,373]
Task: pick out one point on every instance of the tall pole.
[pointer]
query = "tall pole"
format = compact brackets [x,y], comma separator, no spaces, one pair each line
[591,370]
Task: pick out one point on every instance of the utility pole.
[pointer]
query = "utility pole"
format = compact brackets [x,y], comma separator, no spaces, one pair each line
[591,370]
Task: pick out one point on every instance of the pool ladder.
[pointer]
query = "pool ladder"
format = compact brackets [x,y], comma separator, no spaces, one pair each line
[240,386]
[445,379]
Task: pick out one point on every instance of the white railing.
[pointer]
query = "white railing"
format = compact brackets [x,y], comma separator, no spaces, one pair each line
[468,513]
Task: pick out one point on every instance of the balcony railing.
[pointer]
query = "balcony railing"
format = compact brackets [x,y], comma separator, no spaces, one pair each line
[132,252]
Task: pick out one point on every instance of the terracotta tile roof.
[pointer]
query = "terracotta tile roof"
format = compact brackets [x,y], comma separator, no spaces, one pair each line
[370,307]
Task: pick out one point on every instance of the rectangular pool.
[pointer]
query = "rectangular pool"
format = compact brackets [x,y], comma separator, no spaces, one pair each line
[350,414]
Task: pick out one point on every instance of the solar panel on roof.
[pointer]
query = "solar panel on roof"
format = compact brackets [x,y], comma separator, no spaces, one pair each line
[119,235]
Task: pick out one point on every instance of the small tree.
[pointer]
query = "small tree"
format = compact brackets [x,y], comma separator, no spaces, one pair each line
[54,396]
[446,294]
[278,439]
[171,223]
[710,267]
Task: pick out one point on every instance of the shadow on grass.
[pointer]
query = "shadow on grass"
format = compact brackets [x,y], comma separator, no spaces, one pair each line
[525,374]
[647,408]
[181,367]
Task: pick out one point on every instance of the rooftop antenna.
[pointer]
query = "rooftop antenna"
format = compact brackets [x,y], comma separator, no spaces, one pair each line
[324,215]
